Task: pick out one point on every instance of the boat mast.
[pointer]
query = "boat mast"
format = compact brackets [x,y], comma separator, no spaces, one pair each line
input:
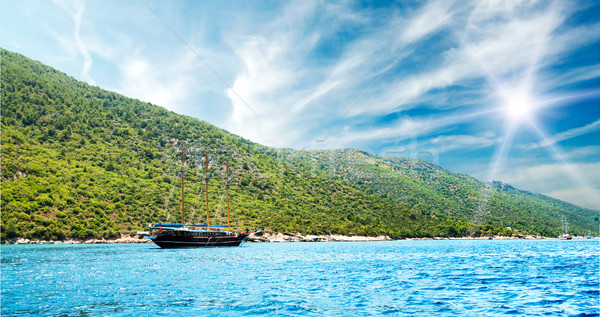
[227,188]
[206,182]
[182,196]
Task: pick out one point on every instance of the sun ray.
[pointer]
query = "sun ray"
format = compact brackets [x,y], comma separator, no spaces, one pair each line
[498,162]
[519,106]
[572,97]
[519,102]
[531,71]
[573,172]
[489,74]
[500,155]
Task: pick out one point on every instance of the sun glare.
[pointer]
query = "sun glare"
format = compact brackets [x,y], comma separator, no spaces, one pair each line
[518,106]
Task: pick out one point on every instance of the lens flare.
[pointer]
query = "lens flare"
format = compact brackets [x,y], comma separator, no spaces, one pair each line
[518,105]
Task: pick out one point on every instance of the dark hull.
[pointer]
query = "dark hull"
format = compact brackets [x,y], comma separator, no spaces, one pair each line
[190,240]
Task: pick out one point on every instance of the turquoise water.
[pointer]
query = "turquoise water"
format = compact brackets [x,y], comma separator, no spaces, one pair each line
[405,278]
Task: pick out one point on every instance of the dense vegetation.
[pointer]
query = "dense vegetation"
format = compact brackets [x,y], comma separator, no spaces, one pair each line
[81,162]
[428,189]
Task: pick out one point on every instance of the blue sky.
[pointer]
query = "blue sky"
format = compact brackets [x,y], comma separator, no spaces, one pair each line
[503,90]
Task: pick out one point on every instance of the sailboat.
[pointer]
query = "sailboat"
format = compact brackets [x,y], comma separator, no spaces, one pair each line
[565,229]
[196,235]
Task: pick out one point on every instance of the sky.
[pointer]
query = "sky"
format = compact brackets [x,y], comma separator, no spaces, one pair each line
[499,90]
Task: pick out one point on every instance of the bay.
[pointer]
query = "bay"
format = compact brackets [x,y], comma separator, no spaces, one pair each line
[397,278]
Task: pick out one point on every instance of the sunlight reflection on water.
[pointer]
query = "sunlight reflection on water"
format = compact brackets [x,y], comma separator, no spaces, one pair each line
[466,277]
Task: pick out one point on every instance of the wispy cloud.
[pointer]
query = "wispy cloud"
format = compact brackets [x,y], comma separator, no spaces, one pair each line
[499,38]
[429,18]
[579,74]
[487,45]
[463,142]
[569,134]
[76,9]
[288,92]
[276,80]
[402,130]
[579,154]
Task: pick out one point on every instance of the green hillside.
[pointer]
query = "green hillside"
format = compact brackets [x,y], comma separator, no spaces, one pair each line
[428,189]
[82,162]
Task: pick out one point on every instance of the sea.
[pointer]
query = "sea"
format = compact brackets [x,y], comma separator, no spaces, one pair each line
[546,277]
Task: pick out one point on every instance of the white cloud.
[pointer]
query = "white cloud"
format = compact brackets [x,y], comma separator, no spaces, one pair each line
[166,84]
[272,97]
[432,16]
[286,93]
[491,48]
[261,93]
[501,41]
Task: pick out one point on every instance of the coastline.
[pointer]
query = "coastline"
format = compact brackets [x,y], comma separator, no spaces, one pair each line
[261,237]
[121,239]
[297,237]
[265,237]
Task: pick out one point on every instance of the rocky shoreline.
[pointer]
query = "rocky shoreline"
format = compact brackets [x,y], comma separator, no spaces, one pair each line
[121,239]
[296,237]
[262,237]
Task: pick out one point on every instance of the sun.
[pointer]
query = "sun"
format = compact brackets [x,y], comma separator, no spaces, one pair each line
[518,105]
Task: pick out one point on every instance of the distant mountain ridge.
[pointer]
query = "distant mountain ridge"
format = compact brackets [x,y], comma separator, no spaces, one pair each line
[81,162]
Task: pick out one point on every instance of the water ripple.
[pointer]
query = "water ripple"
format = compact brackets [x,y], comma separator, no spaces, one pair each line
[400,278]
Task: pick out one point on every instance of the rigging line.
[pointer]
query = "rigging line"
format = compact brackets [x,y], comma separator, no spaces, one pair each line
[406,50]
[200,57]
[219,209]
[198,198]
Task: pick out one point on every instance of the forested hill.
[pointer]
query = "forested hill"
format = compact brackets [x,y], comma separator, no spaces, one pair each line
[81,162]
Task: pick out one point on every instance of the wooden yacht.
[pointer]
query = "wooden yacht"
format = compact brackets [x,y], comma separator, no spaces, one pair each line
[196,235]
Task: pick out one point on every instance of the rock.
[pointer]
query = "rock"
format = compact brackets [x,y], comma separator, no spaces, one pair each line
[296,237]
[22,241]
